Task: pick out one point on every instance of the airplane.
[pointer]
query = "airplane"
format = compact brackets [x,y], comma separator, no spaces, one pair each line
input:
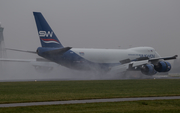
[144,59]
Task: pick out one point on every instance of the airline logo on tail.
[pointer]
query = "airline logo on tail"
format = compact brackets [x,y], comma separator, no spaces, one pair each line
[47,34]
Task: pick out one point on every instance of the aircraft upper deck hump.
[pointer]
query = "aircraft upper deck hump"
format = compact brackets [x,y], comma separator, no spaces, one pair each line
[46,34]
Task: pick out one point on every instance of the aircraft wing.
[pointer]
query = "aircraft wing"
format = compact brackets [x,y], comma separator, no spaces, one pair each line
[165,58]
[145,60]
[152,60]
[127,64]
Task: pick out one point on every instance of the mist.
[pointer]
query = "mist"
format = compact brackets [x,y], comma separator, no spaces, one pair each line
[25,71]
[111,24]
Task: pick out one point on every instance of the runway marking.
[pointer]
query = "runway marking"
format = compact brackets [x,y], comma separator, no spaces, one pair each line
[87,101]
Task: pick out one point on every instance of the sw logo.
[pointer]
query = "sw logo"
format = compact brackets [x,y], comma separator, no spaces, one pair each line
[45,34]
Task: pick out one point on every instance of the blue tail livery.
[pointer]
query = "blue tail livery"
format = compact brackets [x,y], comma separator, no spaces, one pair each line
[46,34]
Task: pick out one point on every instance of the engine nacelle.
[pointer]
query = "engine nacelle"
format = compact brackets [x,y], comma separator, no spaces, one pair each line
[148,69]
[162,66]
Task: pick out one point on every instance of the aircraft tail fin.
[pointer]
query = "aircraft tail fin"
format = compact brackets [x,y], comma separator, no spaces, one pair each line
[46,34]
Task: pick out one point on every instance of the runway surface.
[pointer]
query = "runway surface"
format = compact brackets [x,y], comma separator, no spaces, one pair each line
[146,77]
[87,101]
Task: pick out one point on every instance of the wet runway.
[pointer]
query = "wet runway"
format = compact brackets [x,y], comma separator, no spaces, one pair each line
[70,79]
[87,101]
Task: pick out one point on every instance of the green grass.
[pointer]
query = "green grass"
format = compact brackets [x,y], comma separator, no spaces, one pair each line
[11,92]
[157,106]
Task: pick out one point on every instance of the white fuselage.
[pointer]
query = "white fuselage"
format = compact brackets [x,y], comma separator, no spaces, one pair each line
[115,55]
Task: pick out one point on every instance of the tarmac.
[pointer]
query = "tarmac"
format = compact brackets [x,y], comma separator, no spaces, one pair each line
[86,101]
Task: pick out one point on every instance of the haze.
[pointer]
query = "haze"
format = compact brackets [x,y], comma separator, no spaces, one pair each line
[94,24]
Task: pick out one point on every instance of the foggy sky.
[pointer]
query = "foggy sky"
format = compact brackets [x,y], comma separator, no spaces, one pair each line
[94,24]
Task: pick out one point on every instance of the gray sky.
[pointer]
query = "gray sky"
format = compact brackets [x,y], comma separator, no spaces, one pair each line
[94,23]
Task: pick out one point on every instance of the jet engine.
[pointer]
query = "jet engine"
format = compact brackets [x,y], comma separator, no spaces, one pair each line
[162,66]
[148,69]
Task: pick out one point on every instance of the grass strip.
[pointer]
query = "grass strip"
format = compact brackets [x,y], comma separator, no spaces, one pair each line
[156,106]
[13,92]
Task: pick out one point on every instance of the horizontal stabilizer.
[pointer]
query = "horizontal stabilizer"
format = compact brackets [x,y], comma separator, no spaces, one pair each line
[21,50]
[24,60]
[18,60]
[58,51]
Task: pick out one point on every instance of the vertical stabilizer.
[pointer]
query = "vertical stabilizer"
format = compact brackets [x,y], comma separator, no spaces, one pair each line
[46,34]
